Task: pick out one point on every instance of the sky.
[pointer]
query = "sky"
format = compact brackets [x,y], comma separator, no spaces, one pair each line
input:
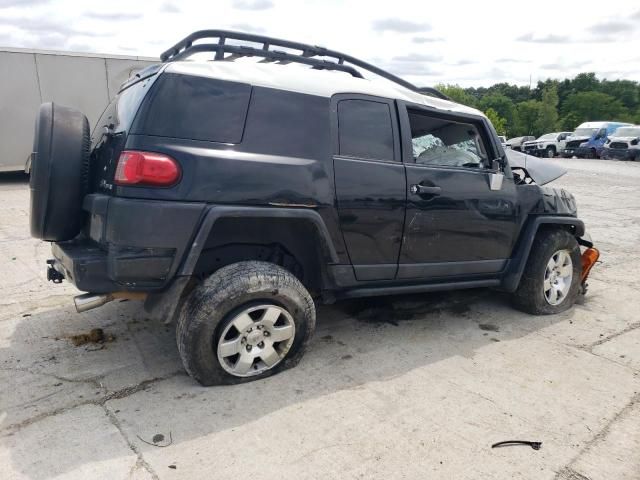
[468,43]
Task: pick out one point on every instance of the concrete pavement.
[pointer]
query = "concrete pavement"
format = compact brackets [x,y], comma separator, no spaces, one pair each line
[414,386]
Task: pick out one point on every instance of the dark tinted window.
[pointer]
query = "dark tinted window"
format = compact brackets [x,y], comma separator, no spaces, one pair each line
[365,129]
[121,111]
[197,108]
[287,123]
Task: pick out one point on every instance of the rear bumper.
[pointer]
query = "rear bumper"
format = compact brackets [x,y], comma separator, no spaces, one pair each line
[127,244]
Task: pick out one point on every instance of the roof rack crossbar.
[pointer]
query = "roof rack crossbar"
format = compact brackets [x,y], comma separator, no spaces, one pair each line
[185,48]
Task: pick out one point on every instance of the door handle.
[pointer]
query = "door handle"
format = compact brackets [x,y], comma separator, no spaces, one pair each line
[424,190]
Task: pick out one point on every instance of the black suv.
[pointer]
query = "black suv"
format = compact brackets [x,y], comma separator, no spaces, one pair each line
[232,194]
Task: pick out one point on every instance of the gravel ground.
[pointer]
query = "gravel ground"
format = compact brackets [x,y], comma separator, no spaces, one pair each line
[403,387]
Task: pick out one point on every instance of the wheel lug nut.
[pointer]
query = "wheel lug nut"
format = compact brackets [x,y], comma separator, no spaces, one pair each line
[266,333]
[249,348]
[261,344]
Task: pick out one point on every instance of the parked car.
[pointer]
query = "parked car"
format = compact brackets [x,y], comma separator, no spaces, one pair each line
[517,142]
[623,144]
[547,145]
[503,140]
[233,196]
[588,139]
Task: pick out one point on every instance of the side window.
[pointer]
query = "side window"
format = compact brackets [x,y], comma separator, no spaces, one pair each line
[365,129]
[196,108]
[444,142]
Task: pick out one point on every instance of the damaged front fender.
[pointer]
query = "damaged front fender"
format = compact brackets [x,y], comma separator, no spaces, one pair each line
[541,171]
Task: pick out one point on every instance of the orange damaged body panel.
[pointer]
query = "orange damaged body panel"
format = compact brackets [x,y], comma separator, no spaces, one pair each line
[589,258]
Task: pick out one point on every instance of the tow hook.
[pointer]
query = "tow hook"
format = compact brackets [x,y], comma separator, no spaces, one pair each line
[53,275]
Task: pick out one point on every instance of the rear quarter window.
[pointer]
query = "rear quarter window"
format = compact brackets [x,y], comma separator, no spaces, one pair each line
[120,113]
[196,108]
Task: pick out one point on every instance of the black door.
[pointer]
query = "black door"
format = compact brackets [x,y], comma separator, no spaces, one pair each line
[370,183]
[461,215]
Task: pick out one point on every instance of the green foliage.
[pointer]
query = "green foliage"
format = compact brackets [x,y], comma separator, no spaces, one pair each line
[588,106]
[499,123]
[457,94]
[553,104]
[548,116]
[503,106]
[528,113]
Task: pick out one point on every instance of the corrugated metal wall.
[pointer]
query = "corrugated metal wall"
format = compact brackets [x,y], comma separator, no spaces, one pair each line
[30,77]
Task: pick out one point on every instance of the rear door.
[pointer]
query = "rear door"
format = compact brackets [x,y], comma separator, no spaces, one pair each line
[370,183]
[461,217]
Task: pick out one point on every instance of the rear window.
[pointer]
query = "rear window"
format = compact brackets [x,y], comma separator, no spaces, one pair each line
[365,129]
[196,108]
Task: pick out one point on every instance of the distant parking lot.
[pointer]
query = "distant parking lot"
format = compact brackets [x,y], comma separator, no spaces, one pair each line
[413,386]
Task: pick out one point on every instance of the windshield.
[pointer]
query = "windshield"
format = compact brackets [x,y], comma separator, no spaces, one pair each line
[584,132]
[627,132]
[548,136]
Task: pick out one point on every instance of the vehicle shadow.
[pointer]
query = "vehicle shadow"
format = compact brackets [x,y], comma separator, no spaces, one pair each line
[13,178]
[138,378]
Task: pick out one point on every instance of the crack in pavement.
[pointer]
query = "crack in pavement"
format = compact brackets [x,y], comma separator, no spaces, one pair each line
[567,471]
[570,474]
[140,462]
[113,395]
[629,328]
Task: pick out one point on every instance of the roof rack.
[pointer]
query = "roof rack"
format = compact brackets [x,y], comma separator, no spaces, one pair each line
[307,56]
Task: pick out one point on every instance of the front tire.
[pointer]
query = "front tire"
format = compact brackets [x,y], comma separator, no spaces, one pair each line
[551,280]
[248,320]
[550,152]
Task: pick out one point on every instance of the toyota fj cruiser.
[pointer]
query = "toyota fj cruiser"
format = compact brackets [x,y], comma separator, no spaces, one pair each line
[231,195]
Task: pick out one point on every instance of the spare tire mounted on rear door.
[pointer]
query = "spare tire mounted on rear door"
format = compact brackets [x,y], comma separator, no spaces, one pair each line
[59,172]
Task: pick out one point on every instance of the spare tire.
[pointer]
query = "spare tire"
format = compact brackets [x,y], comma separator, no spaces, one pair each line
[59,172]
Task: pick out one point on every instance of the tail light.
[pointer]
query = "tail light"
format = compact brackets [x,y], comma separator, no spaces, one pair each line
[146,168]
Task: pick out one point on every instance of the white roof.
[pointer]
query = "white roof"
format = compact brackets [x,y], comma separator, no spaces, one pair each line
[303,79]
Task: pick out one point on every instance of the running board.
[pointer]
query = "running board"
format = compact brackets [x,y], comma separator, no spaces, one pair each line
[402,289]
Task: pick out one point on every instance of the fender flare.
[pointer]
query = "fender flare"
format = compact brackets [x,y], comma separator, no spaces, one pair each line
[215,213]
[518,260]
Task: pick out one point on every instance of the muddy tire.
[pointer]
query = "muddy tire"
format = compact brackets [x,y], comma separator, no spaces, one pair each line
[551,279]
[247,321]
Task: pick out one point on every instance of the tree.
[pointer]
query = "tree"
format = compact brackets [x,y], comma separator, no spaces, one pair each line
[457,94]
[591,106]
[585,82]
[627,91]
[527,116]
[499,123]
[548,114]
[503,106]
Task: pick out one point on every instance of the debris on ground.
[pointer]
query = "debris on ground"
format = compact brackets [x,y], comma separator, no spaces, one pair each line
[508,443]
[157,439]
[96,335]
[488,327]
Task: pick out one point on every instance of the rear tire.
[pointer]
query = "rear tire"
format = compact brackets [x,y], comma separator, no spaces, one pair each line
[224,334]
[535,293]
